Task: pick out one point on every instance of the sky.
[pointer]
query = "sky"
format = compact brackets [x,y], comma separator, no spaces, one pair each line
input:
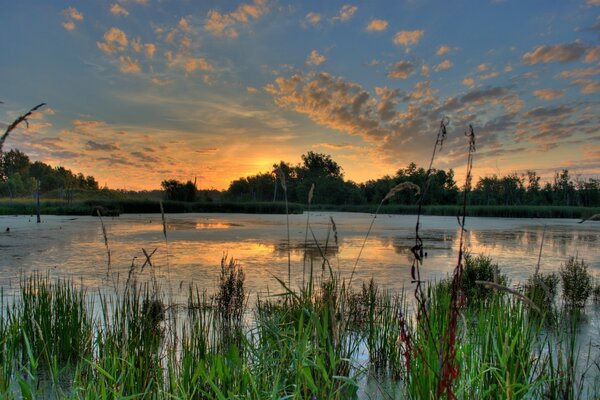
[139,91]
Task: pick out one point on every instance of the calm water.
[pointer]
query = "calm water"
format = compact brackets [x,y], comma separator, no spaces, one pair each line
[74,246]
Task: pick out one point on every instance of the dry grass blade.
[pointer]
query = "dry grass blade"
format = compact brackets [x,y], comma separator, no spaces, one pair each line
[400,187]
[105,239]
[16,122]
[282,178]
[497,286]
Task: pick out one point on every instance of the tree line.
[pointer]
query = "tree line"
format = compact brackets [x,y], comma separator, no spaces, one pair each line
[18,176]
[331,188]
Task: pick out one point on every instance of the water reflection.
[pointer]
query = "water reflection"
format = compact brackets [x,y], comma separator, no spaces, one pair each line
[196,243]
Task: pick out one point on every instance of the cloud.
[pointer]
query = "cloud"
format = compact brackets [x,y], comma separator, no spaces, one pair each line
[444,65]
[69,25]
[547,112]
[314,58]
[468,81]
[345,13]
[115,40]
[312,18]
[336,103]
[482,67]
[197,64]
[95,146]
[226,24]
[408,38]
[548,94]
[581,72]
[377,25]
[588,86]
[442,50]
[149,50]
[117,9]
[487,76]
[562,53]
[251,89]
[401,70]
[71,15]
[592,55]
[593,2]
[128,65]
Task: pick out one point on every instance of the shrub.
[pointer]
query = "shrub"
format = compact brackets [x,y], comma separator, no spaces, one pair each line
[576,282]
[480,268]
[541,289]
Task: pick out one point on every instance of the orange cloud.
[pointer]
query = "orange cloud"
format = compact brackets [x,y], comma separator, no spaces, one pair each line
[377,25]
[444,65]
[71,15]
[117,9]
[197,64]
[548,94]
[401,70]
[562,53]
[345,13]
[115,40]
[312,18]
[220,24]
[128,65]
[314,58]
[442,50]
[408,38]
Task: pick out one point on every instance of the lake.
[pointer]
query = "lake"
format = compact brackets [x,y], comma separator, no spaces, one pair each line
[195,243]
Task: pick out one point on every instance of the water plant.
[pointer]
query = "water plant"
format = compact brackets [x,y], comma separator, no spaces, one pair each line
[576,282]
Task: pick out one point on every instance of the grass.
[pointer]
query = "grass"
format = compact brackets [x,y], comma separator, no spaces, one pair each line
[300,344]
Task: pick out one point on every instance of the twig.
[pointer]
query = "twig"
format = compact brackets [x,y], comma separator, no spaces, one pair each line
[16,122]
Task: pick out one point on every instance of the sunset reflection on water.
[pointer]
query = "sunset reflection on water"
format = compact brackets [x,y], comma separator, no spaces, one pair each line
[195,244]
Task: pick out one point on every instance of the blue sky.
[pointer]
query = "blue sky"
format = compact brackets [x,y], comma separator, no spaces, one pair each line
[143,90]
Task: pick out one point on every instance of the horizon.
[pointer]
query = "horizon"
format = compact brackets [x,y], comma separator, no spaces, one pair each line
[162,90]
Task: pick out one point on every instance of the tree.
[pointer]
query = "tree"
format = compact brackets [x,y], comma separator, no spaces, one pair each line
[179,191]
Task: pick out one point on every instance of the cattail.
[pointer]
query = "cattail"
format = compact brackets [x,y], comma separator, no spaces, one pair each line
[310,193]
[164,222]
[334,229]
[399,187]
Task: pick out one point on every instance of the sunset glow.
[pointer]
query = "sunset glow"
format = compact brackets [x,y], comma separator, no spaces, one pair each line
[139,91]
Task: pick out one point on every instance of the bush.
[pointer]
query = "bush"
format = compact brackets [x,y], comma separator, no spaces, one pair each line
[541,289]
[480,268]
[576,281]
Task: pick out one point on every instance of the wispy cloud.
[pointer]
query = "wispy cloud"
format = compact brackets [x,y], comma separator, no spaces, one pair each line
[562,53]
[312,18]
[401,70]
[548,94]
[345,13]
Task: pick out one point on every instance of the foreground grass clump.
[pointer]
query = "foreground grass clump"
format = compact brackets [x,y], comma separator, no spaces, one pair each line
[317,342]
